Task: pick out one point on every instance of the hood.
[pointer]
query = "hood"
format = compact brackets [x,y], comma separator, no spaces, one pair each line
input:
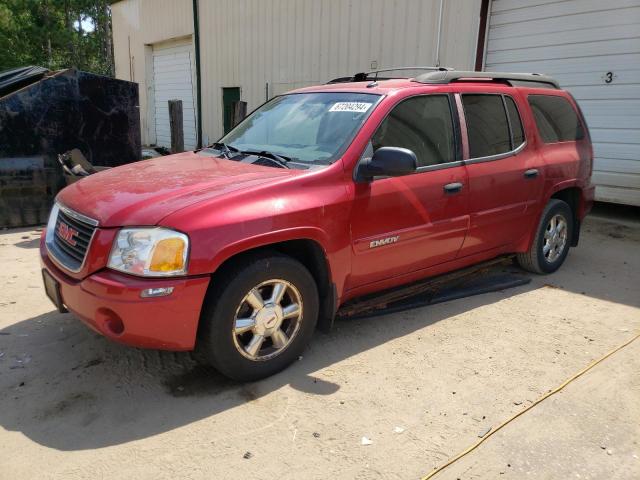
[145,192]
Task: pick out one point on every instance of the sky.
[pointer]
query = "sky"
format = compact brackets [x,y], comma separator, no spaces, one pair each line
[87,24]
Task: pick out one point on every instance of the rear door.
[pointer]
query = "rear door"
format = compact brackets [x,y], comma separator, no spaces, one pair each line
[404,224]
[505,171]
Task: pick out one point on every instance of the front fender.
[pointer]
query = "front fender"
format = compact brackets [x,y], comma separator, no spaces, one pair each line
[312,208]
[264,240]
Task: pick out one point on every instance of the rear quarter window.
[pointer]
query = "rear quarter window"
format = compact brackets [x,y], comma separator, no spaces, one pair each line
[555,118]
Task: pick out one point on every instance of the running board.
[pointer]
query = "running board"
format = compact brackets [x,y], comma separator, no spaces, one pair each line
[493,275]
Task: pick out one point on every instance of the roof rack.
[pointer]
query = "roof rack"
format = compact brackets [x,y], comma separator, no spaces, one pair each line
[373,75]
[514,79]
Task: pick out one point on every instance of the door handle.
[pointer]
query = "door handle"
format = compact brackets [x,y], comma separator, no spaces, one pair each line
[532,173]
[453,187]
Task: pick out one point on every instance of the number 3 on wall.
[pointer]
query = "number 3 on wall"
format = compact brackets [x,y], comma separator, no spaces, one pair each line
[608,77]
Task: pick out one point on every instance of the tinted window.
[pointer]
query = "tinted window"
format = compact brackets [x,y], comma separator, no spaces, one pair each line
[556,119]
[423,125]
[487,126]
[516,123]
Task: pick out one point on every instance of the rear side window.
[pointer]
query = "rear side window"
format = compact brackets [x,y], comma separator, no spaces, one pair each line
[487,125]
[515,122]
[556,119]
[422,124]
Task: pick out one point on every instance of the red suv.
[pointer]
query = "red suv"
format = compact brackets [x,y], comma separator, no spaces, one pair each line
[241,249]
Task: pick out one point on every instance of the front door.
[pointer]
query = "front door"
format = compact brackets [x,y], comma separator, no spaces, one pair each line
[404,224]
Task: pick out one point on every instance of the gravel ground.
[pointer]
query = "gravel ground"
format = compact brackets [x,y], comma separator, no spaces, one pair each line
[421,385]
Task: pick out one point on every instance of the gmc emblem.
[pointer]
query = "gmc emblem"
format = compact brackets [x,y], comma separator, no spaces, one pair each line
[67,233]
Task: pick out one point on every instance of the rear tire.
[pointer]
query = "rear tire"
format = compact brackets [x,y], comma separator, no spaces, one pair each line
[552,241]
[259,317]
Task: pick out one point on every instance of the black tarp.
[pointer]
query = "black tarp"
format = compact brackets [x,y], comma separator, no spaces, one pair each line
[61,111]
[17,78]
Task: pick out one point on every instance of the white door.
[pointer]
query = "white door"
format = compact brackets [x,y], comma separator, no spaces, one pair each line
[173,80]
[593,48]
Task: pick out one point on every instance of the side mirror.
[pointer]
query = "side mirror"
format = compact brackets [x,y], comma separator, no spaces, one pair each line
[387,162]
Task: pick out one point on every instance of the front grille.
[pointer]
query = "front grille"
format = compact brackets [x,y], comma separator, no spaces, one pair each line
[71,239]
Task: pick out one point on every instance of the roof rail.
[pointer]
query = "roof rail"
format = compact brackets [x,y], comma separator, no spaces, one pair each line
[373,75]
[449,76]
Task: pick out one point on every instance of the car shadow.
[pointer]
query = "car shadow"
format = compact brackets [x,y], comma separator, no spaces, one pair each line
[604,265]
[67,388]
[29,237]
[33,243]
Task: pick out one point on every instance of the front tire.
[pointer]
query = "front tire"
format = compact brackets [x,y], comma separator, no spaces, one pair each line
[259,318]
[553,238]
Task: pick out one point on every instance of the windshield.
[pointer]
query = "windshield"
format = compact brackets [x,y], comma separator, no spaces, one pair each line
[307,127]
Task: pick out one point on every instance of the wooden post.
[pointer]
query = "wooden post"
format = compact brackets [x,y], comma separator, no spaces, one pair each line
[239,112]
[175,125]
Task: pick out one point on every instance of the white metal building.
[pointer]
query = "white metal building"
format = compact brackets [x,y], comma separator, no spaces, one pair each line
[251,50]
[260,48]
[593,48]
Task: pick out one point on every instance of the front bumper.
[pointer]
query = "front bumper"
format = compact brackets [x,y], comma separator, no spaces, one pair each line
[109,302]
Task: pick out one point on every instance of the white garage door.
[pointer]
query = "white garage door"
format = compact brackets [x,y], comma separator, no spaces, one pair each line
[173,80]
[593,48]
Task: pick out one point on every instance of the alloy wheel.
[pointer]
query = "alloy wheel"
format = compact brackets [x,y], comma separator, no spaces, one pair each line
[267,320]
[555,238]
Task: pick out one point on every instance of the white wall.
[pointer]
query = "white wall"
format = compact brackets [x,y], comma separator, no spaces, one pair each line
[138,24]
[578,42]
[293,43]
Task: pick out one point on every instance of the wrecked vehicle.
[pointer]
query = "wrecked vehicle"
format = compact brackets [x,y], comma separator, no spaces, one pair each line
[75,166]
[238,251]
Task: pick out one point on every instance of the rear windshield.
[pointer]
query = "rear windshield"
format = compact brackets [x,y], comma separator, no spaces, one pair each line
[307,127]
[556,119]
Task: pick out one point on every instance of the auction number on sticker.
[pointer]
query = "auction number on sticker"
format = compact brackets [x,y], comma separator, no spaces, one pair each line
[358,107]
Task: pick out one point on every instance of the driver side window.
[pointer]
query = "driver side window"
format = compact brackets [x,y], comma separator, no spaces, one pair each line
[423,125]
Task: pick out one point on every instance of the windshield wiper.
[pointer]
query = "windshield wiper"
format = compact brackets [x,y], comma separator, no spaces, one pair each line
[224,148]
[276,158]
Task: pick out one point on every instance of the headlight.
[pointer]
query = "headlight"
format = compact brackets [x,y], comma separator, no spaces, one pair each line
[150,252]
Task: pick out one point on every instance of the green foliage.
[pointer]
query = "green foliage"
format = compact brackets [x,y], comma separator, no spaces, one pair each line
[47,33]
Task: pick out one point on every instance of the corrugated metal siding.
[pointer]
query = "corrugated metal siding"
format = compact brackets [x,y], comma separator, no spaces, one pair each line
[137,24]
[578,42]
[147,22]
[289,43]
[294,43]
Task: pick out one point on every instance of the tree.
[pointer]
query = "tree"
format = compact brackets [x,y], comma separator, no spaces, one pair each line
[56,34]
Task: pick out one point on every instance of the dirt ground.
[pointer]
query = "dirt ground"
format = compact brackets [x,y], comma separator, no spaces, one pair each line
[421,385]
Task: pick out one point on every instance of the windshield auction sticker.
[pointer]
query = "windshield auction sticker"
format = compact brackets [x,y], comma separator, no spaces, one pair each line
[358,107]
